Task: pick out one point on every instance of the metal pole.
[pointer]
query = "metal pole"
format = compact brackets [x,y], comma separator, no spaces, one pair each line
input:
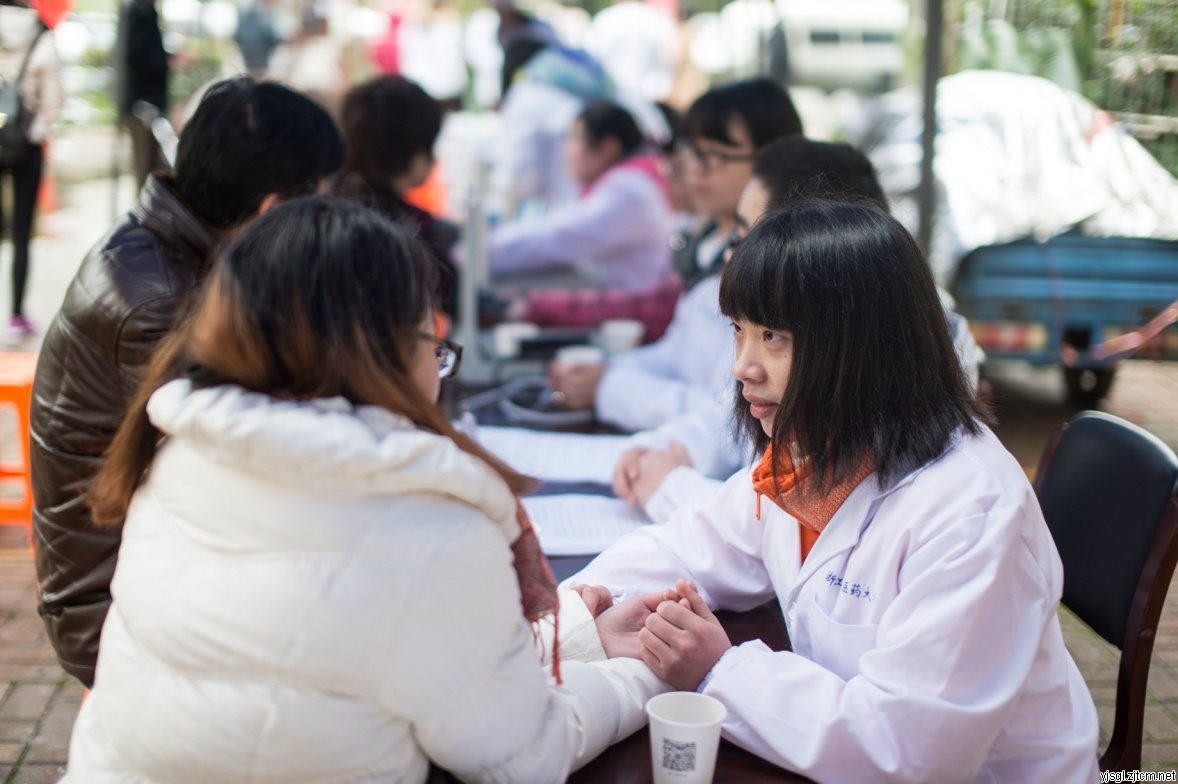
[933,53]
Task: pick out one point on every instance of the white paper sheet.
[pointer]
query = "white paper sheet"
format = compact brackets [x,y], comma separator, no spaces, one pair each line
[556,457]
[581,524]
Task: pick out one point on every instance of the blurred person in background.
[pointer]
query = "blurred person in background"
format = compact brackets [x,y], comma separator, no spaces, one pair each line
[638,46]
[615,235]
[256,36]
[26,43]
[313,62]
[390,126]
[645,388]
[248,146]
[141,81]
[723,131]
[431,53]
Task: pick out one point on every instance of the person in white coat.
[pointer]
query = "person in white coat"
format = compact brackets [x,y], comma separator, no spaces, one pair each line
[644,388]
[688,457]
[919,582]
[320,580]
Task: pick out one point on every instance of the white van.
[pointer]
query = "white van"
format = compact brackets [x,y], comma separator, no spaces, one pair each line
[844,43]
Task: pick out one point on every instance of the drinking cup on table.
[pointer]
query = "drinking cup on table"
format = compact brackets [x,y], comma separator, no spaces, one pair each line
[684,736]
[580,355]
[616,335]
[510,334]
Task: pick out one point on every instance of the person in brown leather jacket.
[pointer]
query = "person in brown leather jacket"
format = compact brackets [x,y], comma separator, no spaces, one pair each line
[248,145]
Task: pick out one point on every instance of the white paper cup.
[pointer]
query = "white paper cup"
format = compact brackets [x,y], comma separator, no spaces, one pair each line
[509,334]
[684,736]
[616,335]
[580,355]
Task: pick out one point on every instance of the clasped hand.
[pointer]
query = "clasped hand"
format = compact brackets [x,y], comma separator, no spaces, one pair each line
[673,631]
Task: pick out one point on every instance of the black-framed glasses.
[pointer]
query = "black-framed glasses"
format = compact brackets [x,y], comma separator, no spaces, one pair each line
[447,352]
[711,158]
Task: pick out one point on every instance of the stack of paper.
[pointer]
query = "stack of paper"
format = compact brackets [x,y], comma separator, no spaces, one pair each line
[558,457]
[581,524]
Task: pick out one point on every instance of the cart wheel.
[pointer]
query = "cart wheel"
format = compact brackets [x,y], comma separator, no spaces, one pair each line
[1088,386]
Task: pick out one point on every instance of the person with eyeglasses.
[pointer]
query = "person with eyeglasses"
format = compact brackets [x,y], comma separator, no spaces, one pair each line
[320,578]
[685,369]
[687,459]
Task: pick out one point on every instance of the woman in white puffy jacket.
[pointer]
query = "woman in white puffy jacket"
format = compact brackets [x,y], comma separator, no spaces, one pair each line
[316,579]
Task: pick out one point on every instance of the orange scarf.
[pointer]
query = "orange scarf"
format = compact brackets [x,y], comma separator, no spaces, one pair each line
[813,511]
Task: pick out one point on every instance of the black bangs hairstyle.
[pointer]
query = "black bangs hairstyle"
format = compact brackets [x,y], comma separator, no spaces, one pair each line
[762,105]
[800,169]
[874,373]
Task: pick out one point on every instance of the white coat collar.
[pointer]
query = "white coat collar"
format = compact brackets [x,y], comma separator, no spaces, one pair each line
[845,529]
[330,445]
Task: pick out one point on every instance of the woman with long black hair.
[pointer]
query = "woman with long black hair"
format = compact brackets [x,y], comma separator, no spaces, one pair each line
[919,582]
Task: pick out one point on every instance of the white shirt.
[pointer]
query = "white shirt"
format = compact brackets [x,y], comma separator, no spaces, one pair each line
[687,369]
[926,642]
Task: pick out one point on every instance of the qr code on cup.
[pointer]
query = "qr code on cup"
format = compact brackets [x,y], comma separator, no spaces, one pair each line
[678,757]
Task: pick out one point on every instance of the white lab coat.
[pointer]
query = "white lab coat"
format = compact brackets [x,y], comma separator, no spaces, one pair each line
[688,368]
[926,643]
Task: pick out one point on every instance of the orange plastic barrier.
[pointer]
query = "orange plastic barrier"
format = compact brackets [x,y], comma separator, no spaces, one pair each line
[16,391]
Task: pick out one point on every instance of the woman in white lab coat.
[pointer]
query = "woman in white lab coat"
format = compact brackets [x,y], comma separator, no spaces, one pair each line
[919,582]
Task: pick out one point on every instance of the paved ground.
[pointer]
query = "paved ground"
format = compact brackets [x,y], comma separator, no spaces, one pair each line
[38,703]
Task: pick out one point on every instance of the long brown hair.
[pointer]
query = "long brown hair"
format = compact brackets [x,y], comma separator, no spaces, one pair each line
[317,298]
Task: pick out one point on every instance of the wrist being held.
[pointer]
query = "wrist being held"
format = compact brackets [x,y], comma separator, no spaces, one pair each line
[682,640]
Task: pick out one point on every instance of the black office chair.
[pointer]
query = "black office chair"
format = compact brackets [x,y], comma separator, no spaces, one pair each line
[1107,489]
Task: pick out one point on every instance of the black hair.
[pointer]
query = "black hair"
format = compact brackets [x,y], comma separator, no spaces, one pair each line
[874,374]
[761,105]
[800,169]
[247,140]
[317,298]
[387,122]
[604,120]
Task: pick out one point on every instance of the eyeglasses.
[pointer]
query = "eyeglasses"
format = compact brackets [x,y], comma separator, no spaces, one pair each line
[711,158]
[448,353]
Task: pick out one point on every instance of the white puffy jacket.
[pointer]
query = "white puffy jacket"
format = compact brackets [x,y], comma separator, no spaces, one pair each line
[321,592]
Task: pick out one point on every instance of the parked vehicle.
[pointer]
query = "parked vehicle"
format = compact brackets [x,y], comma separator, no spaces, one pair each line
[1068,301]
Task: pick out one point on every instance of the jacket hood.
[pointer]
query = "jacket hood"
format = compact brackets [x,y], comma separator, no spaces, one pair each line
[330,445]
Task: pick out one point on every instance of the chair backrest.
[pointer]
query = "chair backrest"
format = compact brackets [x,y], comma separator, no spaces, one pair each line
[1107,490]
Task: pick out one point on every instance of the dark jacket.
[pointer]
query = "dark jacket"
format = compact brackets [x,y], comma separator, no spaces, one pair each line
[127,294]
[141,62]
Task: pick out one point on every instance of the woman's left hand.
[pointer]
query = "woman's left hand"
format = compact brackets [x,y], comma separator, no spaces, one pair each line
[683,640]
